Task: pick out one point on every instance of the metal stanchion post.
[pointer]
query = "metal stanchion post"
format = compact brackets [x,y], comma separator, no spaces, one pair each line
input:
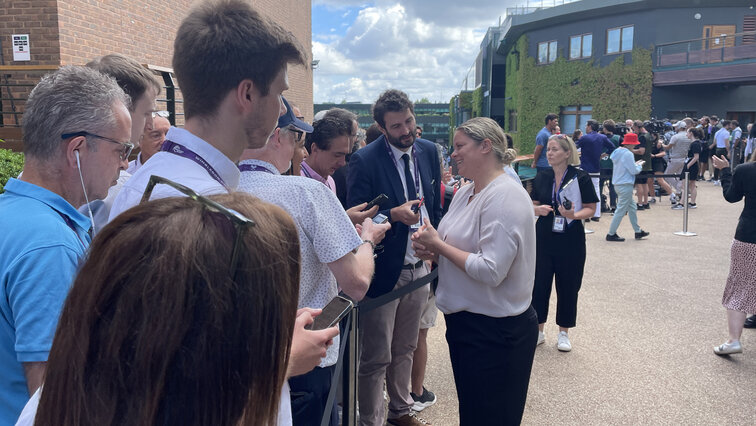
[351,360]
[684,232]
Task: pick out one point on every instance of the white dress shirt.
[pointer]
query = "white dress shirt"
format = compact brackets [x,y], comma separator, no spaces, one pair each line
[498,228]
[325,232]
[181,170]
[409,256]
[135,164]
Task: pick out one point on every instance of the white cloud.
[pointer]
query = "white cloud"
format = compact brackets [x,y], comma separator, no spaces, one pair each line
[391,44]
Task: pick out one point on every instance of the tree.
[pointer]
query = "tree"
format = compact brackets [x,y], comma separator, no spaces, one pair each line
[423,100]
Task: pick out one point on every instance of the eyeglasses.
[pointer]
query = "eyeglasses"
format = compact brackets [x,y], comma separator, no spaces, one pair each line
[298,133]
[164,114]
[127,146]
[238,220]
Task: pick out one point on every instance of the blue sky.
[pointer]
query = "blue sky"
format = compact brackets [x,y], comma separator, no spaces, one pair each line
[333,21]
[422,47]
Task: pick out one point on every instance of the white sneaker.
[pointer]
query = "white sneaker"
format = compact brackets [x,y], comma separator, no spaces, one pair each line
[563,344]
[541,338]
[673,198]
[728,348]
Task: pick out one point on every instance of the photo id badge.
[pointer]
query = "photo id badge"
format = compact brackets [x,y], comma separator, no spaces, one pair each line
[416,227]
[559,224]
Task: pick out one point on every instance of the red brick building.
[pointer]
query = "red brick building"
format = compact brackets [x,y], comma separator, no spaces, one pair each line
[71,32]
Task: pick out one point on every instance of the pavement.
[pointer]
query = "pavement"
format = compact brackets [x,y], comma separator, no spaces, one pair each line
[649,315]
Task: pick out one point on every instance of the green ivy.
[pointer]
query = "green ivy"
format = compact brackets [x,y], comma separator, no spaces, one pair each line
[476,103]
[617,91]
[11,164]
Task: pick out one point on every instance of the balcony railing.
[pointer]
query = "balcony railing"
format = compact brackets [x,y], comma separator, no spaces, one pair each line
[722,49]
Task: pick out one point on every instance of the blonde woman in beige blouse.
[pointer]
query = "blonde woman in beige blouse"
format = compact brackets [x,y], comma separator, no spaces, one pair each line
[485,250]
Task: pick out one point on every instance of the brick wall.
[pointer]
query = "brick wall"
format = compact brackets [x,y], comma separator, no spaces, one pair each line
[145,31]
[38,18]
[64,32]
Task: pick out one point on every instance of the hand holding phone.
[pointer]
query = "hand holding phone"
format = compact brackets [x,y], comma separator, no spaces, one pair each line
[332,313]
[377,201]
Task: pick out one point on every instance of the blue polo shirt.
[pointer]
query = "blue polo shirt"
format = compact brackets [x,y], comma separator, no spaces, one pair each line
[43,240]
[543,139]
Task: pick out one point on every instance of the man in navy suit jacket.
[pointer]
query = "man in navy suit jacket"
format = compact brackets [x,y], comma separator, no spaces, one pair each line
[407,170]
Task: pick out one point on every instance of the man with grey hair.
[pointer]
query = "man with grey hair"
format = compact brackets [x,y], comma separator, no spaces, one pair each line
[76,138]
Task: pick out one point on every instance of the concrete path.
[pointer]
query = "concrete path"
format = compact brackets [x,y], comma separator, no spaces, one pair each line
[649,315]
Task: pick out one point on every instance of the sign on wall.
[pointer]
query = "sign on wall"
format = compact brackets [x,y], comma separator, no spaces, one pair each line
[21,47]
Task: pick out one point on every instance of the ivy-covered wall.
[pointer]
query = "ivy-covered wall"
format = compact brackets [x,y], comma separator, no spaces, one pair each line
[617,91]
[11,164]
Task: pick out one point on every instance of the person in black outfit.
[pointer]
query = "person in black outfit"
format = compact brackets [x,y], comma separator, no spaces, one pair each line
[692,166]
[740,292]
[560,246]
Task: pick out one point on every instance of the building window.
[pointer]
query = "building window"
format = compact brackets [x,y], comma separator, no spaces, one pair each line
[547,52]
[581,46]
[512,120]
[574,117]
[619,40]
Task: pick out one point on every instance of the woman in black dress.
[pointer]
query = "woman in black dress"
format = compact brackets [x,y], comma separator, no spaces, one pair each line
[560,237]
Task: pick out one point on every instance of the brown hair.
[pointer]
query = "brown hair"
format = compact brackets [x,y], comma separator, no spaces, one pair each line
[156,331]
[392,100]
[223,42]
[133,78]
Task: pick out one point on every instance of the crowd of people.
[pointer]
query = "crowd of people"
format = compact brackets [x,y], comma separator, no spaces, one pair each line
[632,157]
[182,287]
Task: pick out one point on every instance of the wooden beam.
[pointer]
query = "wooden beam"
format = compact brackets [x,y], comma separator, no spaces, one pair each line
[29,67]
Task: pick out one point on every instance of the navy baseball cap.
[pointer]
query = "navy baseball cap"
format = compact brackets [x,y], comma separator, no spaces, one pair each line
[289,119]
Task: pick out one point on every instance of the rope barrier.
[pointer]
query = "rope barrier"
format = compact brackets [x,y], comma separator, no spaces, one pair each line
[349,400]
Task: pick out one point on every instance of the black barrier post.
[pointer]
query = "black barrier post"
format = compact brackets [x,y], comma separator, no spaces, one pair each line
[351,362]
[684,232]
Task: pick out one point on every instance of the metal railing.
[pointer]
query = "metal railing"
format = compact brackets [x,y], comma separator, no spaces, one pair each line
[723,48]
[16,83]
[534,6]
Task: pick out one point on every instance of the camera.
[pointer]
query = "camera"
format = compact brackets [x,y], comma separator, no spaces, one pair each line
[655,126]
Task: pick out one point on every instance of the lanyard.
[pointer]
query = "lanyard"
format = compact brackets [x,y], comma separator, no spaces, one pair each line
[253,168]
[414,160]
[182,151]
[555,193]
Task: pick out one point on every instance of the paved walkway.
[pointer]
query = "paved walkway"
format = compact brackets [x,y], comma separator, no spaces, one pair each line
[649,315]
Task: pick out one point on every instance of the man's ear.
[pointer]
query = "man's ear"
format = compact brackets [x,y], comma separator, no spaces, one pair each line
[73,146]
[245,94]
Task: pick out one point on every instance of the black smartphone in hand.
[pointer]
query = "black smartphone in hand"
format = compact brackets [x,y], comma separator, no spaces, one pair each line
[377,201]
[332,313]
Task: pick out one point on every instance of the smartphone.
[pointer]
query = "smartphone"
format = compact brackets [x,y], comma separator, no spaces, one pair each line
[416,207]
[377,201]
[380,219]
[332,313]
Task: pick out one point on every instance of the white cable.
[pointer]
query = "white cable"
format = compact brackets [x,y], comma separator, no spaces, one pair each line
[91,216]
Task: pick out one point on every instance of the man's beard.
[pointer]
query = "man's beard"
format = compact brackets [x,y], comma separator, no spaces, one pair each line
[397,142]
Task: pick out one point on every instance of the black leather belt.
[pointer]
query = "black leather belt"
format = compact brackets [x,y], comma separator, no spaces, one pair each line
[413,265]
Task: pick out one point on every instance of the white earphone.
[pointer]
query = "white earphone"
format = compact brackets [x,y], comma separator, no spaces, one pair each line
[83,188]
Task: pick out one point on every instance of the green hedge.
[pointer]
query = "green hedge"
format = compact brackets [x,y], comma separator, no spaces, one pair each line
[11,164]
[617,91]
